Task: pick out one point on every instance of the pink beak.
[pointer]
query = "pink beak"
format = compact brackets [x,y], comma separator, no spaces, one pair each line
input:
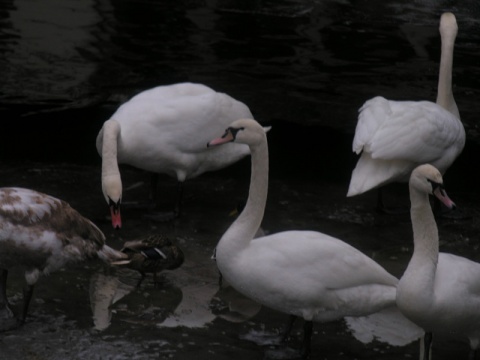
[228,137]
[443,197]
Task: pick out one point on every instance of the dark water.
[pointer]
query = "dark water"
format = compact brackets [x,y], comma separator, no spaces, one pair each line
[299,61]
[303,66]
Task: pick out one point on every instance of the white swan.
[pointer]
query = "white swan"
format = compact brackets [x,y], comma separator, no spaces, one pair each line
[394,137]
[164,130]
[42,234]
[439,292]
[302,273]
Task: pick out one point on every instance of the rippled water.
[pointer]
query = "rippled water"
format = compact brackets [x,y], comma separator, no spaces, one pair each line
[310,62]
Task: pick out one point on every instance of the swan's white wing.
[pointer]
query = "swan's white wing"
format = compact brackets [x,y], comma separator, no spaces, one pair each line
[310,273]
[419,132]
[372,115]
[314,255]
[166,130]
[457,279]
[388,326]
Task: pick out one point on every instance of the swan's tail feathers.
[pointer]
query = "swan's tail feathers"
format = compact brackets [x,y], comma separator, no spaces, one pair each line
[388,326]
[109,255]
[370,173]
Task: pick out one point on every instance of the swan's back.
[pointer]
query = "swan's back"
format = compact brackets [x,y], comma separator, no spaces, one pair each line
[309,274]
[394,137]
[166,129]
[457,285]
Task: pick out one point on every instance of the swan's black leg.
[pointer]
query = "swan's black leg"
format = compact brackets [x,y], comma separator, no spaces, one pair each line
[141,278]
[472,355]
[27,296]
[7,318]
[307,339]
[288,327]
[169,215]
[3,288]
[154,189]
[427,344]
[382,209]
[4,306]
[178,204]
[380,202]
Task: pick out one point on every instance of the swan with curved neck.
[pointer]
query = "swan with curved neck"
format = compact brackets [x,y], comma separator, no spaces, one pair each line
[143,132]
[393,137]
[302,273]
[440,292]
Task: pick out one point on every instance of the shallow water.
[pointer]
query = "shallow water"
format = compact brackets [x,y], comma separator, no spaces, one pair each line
[87,311]
[303,66]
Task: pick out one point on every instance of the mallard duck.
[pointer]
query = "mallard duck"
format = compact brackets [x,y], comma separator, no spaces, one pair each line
[42,234]
[151,254]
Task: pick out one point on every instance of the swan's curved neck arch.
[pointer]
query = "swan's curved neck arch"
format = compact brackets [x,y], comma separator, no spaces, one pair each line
[243,229]
[111,131]
[420,273]
[444,93]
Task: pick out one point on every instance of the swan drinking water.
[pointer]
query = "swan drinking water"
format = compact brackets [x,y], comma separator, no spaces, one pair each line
[143,133]
[42,234]
[439,292]
[394,137]
[302,273]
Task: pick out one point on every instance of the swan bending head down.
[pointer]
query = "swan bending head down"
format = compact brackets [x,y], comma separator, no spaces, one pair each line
[144,133]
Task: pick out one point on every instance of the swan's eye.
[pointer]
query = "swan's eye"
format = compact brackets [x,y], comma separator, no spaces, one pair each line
[114,204]
[436,185]
[235,131]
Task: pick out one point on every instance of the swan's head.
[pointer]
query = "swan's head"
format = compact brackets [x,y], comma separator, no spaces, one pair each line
[448,25]
[426,178]
[112,191]
[243,131]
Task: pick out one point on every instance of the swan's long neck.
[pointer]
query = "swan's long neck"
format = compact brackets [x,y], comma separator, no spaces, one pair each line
[243,229]
[418,279]
[445,94]
[110,170]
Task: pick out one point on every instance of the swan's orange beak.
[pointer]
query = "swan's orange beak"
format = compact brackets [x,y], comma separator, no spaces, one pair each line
[441,195]
[116,218]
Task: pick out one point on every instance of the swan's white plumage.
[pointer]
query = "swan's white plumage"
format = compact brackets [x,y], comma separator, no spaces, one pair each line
[303,273]
[164,130]
[439,292]
[394,137]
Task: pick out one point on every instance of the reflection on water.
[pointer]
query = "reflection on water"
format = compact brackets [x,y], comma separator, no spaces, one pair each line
[188,296]
[105,290]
